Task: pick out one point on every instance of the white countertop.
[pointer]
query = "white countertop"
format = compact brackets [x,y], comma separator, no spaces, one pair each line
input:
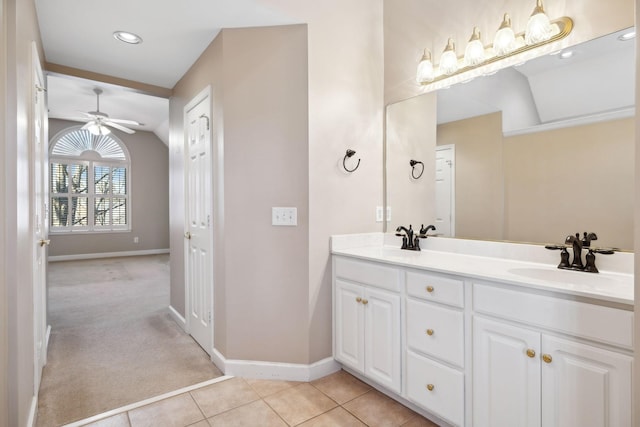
[606,286]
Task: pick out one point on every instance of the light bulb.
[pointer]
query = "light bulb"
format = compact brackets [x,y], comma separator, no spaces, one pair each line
[449,60]
[98,129]
[538,27]
[425,68]
[504,41]
[474,53]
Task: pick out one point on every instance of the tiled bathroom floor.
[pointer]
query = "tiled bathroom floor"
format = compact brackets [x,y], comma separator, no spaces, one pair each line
[336,400]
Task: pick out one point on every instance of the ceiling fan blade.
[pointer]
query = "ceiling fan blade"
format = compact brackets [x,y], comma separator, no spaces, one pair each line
[86,114]
[119,127]
[125,122]
[87,125]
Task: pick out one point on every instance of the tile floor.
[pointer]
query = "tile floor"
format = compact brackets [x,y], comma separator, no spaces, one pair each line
[335,400]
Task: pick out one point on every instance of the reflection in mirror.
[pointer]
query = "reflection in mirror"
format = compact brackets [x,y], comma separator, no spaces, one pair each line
[542,150]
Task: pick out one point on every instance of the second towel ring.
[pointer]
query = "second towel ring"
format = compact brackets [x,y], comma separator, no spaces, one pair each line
[413,164]
[349,154]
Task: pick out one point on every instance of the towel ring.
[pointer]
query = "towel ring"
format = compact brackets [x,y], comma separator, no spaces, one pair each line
[413,164]
[349,154]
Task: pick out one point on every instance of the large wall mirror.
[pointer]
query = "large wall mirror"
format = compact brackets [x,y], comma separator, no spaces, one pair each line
[530,154]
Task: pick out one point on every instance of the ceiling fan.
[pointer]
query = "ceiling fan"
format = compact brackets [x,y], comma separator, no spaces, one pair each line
[98,121]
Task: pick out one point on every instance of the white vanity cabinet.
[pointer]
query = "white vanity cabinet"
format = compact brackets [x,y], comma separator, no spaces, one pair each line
[435,344]
[367,321]
[526,375]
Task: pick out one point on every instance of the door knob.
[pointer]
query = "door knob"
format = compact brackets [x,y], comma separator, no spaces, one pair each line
[187,235]
[44,242]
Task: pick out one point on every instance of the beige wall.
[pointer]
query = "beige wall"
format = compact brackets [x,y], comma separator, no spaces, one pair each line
[479,181]
[18,34]
[571,180]
[344,110]
[149,200]
[413,25]
[259,82]
[636,234]
[411,136]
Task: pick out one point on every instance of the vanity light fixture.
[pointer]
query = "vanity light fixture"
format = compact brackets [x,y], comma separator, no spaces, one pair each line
[508,48]
[505,40]
[127,37]
[474,53]
[538,27]
[425,68]
[449,59]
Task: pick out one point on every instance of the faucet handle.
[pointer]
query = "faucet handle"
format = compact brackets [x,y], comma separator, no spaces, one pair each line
[587,238]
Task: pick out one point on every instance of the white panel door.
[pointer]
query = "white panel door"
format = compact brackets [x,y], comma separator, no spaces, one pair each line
[445,190]
[506,379]
[39,225]
[349,325]
[382,338]
[584,386]
[199,256]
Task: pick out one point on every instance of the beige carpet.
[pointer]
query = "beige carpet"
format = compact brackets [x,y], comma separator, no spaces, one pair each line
[113,341]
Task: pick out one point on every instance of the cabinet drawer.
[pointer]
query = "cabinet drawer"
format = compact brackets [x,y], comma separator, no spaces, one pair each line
[367,273]
[436,330]
[446,399]
[433,287]
[605,324]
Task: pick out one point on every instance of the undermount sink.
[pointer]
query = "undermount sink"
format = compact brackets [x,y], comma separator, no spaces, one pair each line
[565,276]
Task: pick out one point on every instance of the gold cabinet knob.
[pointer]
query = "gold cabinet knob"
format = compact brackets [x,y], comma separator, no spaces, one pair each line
[430,289]
[547,358]
[187,235]
[531,352]
[365,301]
[358,299]
[44,242]
[429,332]
[430,387]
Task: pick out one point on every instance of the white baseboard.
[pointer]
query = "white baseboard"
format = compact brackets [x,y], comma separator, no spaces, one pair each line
[177,317]
[33,411]
[275,370]
[107,255]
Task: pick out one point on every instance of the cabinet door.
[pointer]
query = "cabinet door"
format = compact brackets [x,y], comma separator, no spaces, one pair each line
[349,325]
[584,386]
[506,379]
[382,338]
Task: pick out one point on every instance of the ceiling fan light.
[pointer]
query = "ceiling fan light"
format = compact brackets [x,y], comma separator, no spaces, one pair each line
[449,60]
[538,26]
[425,71]
[504,41]
[98,129]
[474,52]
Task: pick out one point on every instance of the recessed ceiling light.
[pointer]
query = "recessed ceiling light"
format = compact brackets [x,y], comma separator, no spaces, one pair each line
[127,37]
[566,54]
[627,36]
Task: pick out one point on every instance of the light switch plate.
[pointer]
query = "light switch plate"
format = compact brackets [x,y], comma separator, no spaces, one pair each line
[379,213]
[284,216]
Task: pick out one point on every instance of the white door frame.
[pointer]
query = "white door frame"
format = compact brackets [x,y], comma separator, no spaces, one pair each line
[204,94]
[38,154]
[452,148]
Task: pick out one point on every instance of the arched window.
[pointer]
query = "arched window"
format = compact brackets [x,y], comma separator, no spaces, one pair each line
[89,182]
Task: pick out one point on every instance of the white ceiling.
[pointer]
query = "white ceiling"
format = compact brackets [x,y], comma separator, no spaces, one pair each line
[79,34]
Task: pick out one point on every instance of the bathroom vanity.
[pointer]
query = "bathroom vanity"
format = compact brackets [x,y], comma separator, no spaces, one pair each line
[470,334]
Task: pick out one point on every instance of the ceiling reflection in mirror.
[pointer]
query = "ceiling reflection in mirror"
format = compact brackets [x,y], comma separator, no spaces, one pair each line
[542,150]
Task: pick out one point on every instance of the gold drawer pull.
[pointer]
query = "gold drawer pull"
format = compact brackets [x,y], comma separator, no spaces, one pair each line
[365,301]
[430,289]
[429,332]
[547,358]
[358,299]
[430,387]
[531,352]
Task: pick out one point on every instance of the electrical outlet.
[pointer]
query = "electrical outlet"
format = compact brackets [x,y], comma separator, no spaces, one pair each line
[284,216]
[388,213]
[379,213]
[136,240]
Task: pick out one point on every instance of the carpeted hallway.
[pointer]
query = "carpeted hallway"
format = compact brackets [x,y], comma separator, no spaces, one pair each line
[113,341]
